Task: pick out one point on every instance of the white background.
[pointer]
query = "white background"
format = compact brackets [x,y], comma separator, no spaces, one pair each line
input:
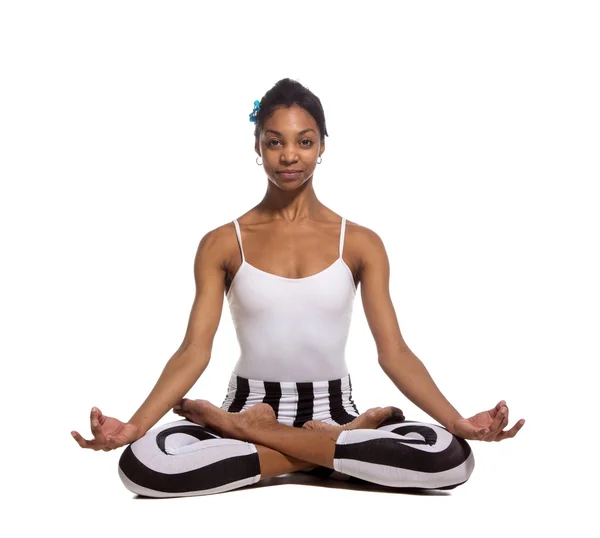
[464,133]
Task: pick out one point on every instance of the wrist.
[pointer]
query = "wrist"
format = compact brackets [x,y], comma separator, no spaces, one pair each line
[138,431]
[450,424]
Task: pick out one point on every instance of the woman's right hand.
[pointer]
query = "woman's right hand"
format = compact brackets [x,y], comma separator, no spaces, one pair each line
[109,433]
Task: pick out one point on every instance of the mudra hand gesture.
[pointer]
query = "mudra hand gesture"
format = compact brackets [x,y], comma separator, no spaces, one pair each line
[109,433]
[487,425]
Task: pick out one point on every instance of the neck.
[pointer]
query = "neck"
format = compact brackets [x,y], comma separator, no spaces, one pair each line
[294,205]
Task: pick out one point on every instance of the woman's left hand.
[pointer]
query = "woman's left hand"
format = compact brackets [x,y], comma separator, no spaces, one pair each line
[487,425]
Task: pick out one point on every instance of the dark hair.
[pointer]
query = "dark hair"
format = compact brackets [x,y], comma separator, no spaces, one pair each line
[288,92]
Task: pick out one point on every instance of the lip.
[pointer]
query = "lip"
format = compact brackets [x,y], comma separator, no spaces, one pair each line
[289,175]
[289,172]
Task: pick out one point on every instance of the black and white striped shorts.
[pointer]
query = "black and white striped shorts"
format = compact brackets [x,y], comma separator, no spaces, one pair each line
[295,403]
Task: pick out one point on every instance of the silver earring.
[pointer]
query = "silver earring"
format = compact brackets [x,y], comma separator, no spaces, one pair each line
[259,164]
[319,162]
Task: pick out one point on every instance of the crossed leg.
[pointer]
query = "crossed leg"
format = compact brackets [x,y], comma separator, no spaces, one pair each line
[214,451]
[380,446]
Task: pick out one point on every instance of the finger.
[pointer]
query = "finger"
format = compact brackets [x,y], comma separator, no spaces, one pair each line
[83,443]
[500,431]
[101,418]
[512,432]
[509,433]
[493,412]
[503,419]
[495,426]
[96,428]
[500,405]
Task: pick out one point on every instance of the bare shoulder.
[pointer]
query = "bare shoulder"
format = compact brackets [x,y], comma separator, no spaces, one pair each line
[218,244]
[365,244]
[364,249]
[361,235]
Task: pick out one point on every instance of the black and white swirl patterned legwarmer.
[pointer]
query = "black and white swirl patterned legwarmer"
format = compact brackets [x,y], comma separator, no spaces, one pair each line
[407,454]
[182,458]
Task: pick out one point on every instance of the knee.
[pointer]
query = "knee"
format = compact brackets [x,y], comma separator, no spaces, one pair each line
[463,461]
[131,472]
[453,465]
[126,470]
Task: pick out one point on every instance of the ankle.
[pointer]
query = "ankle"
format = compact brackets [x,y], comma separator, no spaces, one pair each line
[249,431]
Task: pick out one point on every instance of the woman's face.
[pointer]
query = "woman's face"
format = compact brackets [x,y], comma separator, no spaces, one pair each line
[290,140]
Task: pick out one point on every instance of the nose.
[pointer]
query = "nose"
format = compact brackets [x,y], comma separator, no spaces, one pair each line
[288,156]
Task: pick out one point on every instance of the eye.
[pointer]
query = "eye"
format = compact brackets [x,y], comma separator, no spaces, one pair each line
[310,142]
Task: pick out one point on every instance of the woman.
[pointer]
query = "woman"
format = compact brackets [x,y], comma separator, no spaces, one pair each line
[289,404]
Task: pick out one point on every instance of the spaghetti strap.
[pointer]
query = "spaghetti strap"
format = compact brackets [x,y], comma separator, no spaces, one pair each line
[342,233]
[239,236]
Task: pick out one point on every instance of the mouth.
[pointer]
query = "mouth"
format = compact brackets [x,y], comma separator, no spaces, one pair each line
[289,173]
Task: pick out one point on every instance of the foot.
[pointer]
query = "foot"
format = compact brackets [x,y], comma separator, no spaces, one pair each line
[229,425]
[368,420]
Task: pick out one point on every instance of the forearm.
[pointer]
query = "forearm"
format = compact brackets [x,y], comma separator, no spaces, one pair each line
[178,376]
[411,377]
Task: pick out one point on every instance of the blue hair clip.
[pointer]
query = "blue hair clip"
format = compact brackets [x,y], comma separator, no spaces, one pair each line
[254,111]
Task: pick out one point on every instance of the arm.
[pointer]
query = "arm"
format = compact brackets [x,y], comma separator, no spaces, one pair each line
[191,359]
[398,362]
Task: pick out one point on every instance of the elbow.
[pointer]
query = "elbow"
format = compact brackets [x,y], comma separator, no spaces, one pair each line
[192,360]
[195,353]
[400,365]
[397,356]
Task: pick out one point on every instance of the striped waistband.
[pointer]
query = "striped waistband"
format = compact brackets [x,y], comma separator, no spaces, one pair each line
[294,403]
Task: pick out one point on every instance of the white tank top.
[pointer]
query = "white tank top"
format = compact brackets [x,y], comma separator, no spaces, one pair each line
[292,329]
